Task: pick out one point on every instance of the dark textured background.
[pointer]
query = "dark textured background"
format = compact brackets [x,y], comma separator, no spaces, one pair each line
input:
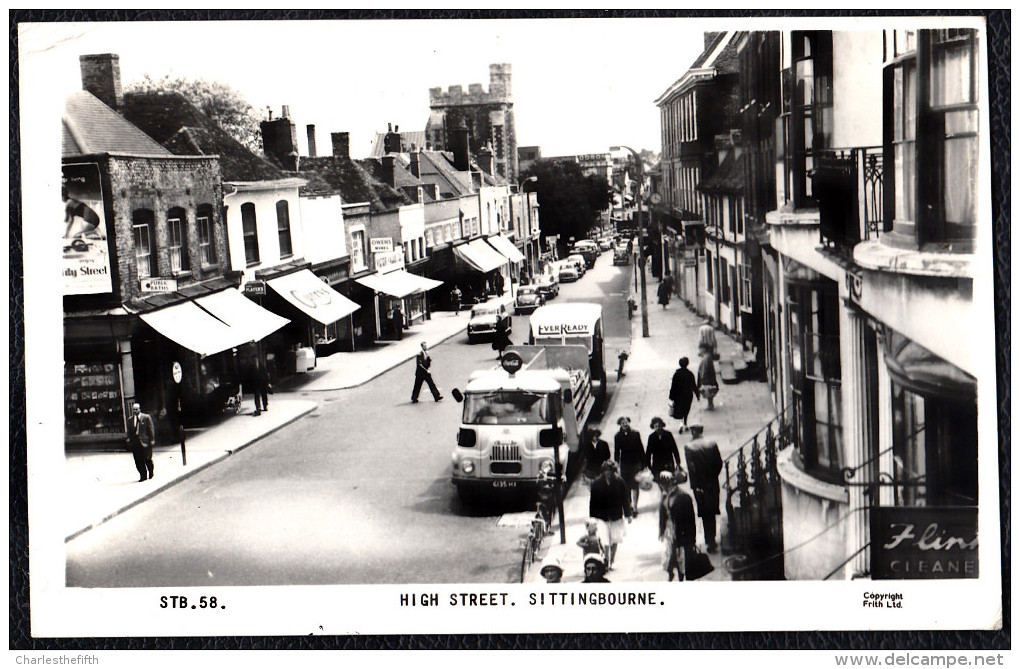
[999,24]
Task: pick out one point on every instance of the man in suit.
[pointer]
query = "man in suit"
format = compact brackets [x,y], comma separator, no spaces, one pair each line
[704,462]
[422,364]
[142,439]
[677,525]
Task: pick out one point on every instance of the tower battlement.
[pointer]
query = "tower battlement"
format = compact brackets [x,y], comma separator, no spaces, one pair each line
[499,92]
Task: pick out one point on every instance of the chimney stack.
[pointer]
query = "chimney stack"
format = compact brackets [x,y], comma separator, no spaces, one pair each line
[387,167]
[311,140]
[486,160]
[100,76]
[341,144]
[391,140]
[279,140]
[415,166]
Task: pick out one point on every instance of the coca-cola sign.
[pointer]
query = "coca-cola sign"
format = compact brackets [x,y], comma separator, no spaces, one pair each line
[924,542]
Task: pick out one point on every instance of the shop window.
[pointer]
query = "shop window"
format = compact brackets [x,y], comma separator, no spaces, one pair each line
[932,138]
[177,232]
[251,233]
[813,312]
[143,223]
[92,395]
[283,228]
[421,247]
[206,240]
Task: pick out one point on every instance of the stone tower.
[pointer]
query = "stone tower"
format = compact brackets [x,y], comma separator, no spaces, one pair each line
[487,115]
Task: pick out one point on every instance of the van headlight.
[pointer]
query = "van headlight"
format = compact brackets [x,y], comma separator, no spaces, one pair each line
[467,466]
[546,467]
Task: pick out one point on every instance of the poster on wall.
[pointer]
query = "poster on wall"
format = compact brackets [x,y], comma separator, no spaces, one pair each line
[86,265]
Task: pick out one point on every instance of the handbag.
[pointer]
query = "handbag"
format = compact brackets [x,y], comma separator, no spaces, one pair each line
[698,564]
[644,479]
[672,410]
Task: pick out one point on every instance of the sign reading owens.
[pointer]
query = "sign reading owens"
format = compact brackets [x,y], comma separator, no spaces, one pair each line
[924,542]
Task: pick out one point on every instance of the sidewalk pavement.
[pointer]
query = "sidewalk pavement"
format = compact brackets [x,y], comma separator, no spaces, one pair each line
[105,483]
[741,410]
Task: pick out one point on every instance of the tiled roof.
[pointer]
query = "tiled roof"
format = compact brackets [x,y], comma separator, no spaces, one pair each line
[185,130]
[89,126]
[720,53]
[331,175]
[460,182]
[414,138]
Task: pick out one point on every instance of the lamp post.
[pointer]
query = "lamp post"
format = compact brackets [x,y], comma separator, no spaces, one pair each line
[641,239]
[527,215]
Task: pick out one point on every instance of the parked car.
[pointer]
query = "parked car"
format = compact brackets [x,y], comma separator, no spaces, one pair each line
[485,319]
[579,262]
[528,299]
[605,244]
[588,250]
[566,271]
[548,285]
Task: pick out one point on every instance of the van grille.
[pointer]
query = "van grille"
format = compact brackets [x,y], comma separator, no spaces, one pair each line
[505,453]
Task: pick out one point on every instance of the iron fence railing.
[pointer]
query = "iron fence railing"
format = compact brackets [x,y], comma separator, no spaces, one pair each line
[848,184]
[754,506]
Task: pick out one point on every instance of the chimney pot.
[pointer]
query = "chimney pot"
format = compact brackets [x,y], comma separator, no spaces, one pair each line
[286,112]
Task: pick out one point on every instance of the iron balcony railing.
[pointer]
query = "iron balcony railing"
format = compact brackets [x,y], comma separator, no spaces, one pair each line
[848,186]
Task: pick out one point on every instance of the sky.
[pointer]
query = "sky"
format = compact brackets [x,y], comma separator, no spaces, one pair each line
[579,85]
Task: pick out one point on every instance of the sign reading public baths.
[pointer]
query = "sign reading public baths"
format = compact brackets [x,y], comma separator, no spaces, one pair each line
[86,264]
[924,542]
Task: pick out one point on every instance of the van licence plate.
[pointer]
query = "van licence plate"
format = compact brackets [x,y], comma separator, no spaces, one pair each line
[504,484]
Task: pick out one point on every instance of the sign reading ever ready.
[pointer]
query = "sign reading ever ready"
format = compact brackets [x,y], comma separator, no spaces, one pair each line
[924,542]
[562,329]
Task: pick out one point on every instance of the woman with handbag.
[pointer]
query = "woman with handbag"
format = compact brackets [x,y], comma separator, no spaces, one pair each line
[682,391]
[662,454]
[708,382]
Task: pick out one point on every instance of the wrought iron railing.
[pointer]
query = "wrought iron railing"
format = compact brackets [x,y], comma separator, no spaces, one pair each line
[754,502]
[848,184]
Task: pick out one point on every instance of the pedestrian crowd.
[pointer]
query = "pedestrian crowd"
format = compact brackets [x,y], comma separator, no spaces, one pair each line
[688,489]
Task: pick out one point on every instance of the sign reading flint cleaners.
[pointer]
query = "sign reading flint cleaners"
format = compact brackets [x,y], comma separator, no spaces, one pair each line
[924,542]
[86,264]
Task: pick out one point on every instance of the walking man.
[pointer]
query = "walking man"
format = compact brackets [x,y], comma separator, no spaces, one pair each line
[261,385]
[422,364]
[677,526]
[455,297]
[704,462]
[142,439]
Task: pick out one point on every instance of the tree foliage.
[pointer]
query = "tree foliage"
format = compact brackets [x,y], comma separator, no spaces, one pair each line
[570,201]
[216,100]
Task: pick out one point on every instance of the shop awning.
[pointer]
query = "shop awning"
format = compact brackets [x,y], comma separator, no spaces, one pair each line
[195,329]
[479,255]
[506,248]
[313,296]
[398,283]
[241,314]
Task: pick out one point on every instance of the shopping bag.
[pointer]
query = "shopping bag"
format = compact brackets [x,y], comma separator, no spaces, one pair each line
[698,564]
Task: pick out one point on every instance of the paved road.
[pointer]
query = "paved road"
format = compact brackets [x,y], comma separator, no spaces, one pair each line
[357,492]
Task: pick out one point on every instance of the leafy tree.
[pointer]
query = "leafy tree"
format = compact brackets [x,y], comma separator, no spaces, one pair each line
[216,100]
[570,201]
